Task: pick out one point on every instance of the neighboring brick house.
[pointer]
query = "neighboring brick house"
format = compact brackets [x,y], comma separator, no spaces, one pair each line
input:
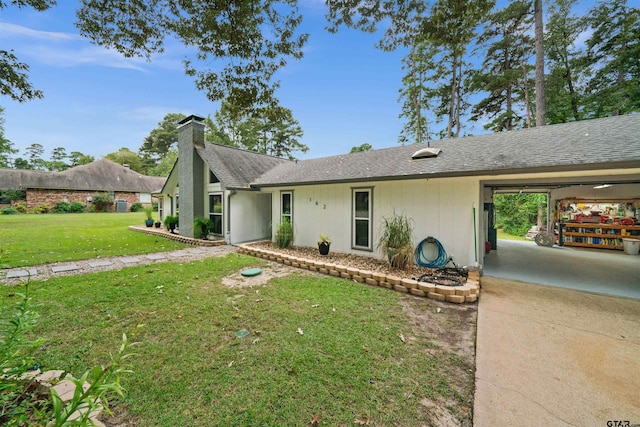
[82,183]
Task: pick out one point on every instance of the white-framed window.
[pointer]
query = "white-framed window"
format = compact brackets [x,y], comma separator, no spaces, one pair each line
[145,198]
[161,207]
[362,204]
[286,206]
[216,212]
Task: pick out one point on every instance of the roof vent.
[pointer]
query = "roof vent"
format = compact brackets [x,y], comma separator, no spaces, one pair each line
[426,153]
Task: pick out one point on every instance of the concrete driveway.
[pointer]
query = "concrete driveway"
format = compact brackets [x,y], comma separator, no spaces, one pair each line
[555,357]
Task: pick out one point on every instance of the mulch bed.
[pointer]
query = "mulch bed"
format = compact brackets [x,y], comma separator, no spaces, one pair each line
[347,260]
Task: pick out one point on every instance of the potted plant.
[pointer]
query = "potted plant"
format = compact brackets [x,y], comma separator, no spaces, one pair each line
[284,233]
[204,225]
[158,224]
[148,212]
[323,244]
[395,241]
[171,222]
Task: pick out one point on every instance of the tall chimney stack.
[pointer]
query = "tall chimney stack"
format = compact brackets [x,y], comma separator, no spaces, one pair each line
[191,172]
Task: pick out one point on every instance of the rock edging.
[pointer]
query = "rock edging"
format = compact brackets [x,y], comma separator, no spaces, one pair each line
[467,293]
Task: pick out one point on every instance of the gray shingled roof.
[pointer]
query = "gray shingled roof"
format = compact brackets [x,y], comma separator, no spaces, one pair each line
[607,143]
[101,175]
[237,168]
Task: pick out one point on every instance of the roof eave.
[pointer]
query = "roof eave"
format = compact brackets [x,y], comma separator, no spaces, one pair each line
[460,174]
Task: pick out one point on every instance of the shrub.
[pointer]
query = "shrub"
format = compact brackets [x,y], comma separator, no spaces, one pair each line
[148,212]
[61,207]
[155,206]
[284,233]
[76,207]
[9,211]
[201,227]
[102,202]
[12,195]
[396,238]
[42,208]
[171,219]
[136,207]
[21,207]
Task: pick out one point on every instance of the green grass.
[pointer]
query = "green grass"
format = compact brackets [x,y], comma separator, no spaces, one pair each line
[32,239]
[506,236]
[189,368]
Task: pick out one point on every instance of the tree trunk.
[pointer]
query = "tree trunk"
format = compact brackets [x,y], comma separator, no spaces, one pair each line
[527,101]
[540,98]
[454,70]
[417,81]
[458,100]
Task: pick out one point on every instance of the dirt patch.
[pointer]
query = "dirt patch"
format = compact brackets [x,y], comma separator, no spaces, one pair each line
[273,270]
[451,328]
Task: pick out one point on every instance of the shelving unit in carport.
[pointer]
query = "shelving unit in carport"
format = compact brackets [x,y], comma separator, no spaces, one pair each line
[603,236]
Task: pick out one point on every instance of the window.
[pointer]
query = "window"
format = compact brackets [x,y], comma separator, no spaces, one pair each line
[215,212]
[213,179]
[161,207]
[361,226]
[286,206]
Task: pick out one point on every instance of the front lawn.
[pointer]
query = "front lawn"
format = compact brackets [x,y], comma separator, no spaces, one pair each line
[319,349]
[32,239]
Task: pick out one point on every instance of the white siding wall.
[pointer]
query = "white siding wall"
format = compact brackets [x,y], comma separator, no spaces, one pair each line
[250,216]
[441,208]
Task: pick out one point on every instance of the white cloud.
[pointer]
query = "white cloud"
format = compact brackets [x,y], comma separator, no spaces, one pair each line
[12,30]
[72,56]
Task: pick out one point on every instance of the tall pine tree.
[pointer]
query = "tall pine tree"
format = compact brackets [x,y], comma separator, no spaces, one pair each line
[505,74]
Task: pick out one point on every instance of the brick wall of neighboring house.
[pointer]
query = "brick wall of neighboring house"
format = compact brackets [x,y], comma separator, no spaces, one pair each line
[51,197]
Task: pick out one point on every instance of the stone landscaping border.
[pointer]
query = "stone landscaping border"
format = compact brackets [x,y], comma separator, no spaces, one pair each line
[467,293]
[178,238]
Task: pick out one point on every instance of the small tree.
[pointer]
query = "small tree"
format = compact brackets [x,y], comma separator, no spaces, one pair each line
[102,202]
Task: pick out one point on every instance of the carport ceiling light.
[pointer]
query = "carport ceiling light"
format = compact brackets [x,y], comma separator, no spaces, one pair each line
[598,187]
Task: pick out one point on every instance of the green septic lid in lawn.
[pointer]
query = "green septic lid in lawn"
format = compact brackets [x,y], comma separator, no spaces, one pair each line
[250,272]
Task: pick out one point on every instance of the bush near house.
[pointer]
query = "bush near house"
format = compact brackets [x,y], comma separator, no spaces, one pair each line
[42,208]
[9,211]
[102,202]
[21,207]
[66,207]
[12,195]
[136,207]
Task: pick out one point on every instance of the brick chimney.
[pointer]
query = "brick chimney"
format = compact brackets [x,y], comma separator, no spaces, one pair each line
[190,172]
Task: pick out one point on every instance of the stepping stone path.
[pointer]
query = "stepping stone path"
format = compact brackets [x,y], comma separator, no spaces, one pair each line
[63,268]
[178,254]
[65,389]
[95,264]
[22,273]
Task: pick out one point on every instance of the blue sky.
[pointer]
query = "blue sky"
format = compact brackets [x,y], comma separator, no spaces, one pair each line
[343,92]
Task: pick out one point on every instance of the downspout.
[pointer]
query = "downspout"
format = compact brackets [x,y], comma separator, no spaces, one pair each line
[228,233]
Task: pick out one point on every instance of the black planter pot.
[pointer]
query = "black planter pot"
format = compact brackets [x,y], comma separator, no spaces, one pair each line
[324,248]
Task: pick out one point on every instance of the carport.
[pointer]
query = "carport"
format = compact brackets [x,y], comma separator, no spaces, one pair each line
[598,271]
[602,271]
